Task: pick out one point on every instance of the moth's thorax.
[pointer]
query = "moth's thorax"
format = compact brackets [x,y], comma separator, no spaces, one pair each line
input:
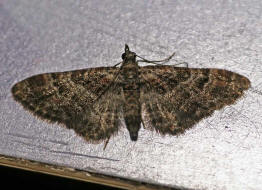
[130,60]
[130,63]
[130,74]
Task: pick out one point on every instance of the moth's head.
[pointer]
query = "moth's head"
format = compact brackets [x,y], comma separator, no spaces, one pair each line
[128,55]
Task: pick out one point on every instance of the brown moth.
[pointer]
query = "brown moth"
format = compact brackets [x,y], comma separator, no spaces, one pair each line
[163,98]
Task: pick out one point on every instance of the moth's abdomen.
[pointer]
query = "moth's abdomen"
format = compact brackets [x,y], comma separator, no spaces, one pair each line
[132,107]
[132,112]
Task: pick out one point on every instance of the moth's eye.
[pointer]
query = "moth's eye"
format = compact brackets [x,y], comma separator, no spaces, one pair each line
[123,56]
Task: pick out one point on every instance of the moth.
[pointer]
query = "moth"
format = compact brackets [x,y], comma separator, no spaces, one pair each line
[163,98]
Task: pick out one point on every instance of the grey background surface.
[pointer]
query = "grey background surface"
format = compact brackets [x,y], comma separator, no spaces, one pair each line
[220,152]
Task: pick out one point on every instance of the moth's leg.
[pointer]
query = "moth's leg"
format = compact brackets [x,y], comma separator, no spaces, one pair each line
[180,63]
[106,142]
[143,123]
[118,64]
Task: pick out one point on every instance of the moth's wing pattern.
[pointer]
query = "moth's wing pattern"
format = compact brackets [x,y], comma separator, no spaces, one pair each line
[174,99]
[88,100]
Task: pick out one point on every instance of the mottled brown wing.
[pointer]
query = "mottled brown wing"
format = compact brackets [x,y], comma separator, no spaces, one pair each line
[87,101]
[174,99]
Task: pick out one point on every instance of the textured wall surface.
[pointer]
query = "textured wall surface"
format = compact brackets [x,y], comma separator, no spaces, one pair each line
[221,152]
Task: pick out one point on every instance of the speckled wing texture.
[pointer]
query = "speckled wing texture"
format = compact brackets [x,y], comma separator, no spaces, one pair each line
[88,101]
[173,99]
[163,98]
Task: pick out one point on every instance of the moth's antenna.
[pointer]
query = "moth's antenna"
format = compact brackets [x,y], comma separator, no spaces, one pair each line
[160,62]
[157,61]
